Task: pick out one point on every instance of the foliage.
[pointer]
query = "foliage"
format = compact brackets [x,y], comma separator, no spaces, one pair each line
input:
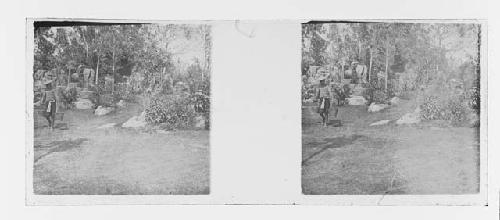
[152,49]
[144,60]
[170,110]
[406,81]
[43,49]
[451,109]
[69,96]
[375,93]
[312,38]
[451,104]
[399,62]
[201,104]
[307,92]
[474,99]
[431,110]
[456,110]
[123,92]
[342,93]
[427,51]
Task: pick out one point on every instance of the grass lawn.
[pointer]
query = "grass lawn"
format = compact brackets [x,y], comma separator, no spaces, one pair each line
[426,158]
[80,158]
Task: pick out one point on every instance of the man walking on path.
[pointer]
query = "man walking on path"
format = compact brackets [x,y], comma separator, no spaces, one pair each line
[324,95]
[48,102]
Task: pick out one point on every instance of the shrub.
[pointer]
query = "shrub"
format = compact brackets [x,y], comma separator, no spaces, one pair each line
[37,96]
[173,111]
[201,103]
[374,93]
[473,97]
[69,96]
[342,93]
[308,92]
[452,108]
[105,99]
[456,111]
[430,110]
[407,81]
[123,92]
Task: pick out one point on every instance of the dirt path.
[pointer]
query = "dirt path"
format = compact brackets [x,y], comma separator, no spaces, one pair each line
[82,159]
[359,159]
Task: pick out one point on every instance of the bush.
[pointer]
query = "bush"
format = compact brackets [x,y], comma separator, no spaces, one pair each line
[201,104]
[173,111]
[374,93]
[342,93]
[474,98]
[69,96]
[308,90]
[449,100]
[430,109]
[123,92]
[407,81]
[105,99]
[456,111]
[452,108]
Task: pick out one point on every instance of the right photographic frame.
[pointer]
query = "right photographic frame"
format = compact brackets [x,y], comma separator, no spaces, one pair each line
[393,108]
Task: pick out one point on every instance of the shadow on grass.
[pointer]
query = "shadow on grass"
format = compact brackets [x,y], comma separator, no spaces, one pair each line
[59,146]
[329,143]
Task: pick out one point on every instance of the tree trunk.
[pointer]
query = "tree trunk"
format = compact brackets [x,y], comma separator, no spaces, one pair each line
[162,77]
[359,52]
[386,66]
[114,75]
[69,76]
[86,48]
[371,63]
[97,73]
[342,71]
[204,42]
[440,36]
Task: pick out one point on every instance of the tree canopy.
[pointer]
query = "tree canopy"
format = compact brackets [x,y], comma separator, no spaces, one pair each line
[119,50]
[430,50]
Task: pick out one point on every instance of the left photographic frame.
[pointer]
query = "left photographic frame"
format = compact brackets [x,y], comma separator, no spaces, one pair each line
[117,108]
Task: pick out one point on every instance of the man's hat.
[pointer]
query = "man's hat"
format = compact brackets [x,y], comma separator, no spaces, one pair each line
[47,81]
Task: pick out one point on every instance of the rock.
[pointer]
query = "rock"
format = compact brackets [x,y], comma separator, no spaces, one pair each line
[100,111]
[394,101]
[199,121]
[121,104]
[381,122]
[356,100]
[309,100]
[136,121]
[410,118]
[83,104]
[109,125]
[377,107]
[162,132]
